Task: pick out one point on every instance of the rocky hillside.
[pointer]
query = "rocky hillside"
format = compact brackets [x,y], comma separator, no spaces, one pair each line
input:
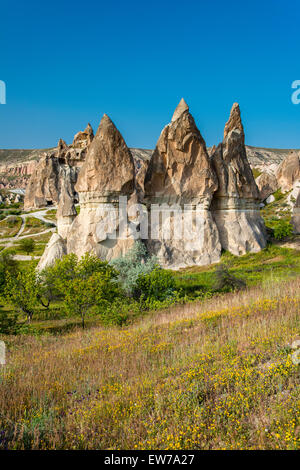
[16,165]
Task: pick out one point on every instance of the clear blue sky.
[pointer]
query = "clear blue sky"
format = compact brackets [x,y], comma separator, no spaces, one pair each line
[67,62]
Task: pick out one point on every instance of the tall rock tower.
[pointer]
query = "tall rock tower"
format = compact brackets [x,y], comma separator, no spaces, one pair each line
[235,204]
[107,173]
[180,183]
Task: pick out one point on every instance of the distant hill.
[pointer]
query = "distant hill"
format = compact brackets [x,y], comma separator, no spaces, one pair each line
[16,165]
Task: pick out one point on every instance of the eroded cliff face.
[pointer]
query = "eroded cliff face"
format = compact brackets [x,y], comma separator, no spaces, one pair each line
[107,174]
[267,185]
[288,172]
[55,170]
[235,204]
[180,174]
[296,213]
[195,204]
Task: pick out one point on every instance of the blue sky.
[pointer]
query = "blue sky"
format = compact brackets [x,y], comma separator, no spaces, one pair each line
[65,63]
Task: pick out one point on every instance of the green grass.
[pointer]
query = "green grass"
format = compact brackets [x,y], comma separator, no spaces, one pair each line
[10,226]
[40,244]
[270,266]
[211,375]
[256,172]
[34,225]
[274,263]
[51,214]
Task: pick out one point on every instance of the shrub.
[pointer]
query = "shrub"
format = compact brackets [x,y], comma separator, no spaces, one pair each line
[226,281]
[282,229]
[119,312]
[278,195]
[158,285]
[135,263]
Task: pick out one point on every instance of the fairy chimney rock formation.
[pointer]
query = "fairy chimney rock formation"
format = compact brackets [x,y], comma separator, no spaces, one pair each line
[267,184]
[180,174]
[236,202]
[43,186]
[83,138]
[66,212]
[107,173]
[288,172]
[296,214]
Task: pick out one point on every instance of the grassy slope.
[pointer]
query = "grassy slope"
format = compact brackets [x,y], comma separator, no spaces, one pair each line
[216,374]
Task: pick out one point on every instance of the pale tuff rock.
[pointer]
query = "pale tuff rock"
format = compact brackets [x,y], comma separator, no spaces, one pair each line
[181,108]
[141,159]
[288,172]
[43,186]
[109,167]
[296,210]
[66,211]
[180,169]
[61,146]
[207,203]
[236,202]
[107,173]
[230,162]
[54,170]
[180,173]
[55,249]
[270,199]
[45,183]
[83,138]
[267,184]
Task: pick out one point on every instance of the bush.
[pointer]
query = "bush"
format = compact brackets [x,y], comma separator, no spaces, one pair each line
[119,312]
[159,285]
[278,195]
[282,229]
[226,281]
[135,263]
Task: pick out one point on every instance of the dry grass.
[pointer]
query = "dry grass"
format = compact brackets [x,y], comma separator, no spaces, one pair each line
[215,375]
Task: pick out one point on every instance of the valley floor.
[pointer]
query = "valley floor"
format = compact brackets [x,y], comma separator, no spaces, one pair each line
[218,374]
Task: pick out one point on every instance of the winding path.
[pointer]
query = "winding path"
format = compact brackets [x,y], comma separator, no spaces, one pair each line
[41,215]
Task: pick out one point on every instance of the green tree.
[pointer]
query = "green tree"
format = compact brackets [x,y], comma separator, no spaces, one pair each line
[21,291]
[83,285]
[7,265]
[27,245]
[96,292]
